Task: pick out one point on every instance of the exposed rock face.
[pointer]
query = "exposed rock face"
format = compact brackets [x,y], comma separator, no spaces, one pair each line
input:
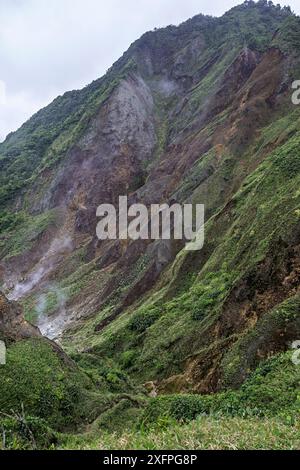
[118,144]
[13,326]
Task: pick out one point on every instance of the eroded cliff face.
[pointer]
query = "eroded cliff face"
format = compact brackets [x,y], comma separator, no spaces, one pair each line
[13,326]
[187,115]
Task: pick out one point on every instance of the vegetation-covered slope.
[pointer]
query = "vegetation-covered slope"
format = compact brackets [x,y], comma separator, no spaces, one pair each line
[198,113]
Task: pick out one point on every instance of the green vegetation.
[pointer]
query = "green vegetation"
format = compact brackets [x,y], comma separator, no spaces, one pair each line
[144,318]
[268,402]
[213,334]
[243,357]
[42,382]
[42,390]
[29,228]
[21,432]
[288,37]
[201,434]
[272,390]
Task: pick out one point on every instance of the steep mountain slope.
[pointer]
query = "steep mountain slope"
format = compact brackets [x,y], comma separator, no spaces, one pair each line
[198,113]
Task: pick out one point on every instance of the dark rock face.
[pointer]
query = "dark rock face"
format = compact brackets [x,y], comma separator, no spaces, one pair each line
[13,326]
[119,141]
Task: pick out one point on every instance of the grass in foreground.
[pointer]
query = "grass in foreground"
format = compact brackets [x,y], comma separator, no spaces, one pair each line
[204,433]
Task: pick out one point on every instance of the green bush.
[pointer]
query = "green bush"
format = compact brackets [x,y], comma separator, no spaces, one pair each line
[144,318]
[205,296]
[127,358]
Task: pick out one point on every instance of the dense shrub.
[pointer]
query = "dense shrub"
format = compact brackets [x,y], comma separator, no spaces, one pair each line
[144,318]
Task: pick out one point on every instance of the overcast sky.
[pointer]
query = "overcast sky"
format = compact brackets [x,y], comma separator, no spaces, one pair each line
[50,46]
